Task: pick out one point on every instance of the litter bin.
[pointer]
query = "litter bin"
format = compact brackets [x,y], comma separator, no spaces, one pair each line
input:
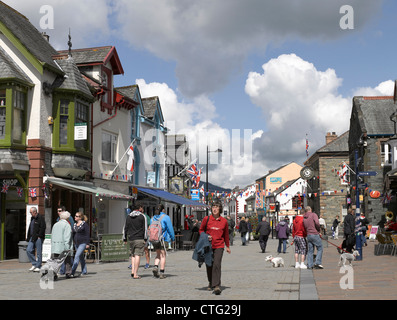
[23,256]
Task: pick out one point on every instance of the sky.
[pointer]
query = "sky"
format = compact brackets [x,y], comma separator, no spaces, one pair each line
[253,78]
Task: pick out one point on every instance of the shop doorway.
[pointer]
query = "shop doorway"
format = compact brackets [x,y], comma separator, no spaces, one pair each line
[15,229]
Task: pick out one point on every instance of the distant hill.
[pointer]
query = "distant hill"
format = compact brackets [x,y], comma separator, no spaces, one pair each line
[212,187]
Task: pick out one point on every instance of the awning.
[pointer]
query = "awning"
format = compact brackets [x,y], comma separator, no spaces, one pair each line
[170,197]
[88,188]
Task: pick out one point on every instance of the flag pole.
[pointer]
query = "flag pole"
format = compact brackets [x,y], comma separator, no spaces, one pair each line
[118,163]
[187,167]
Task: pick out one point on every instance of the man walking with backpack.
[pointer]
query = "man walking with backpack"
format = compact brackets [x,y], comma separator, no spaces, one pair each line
[161,233]
[135,231]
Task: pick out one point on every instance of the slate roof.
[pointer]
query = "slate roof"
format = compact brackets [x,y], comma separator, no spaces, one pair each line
[89,55]
[375,113]
[10,70]
[131,92]
[73,79]
[97,55]
[340,144]
[29,36]
[150,106]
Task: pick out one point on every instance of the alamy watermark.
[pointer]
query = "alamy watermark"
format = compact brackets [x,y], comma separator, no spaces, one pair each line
[347,20]
[47,20]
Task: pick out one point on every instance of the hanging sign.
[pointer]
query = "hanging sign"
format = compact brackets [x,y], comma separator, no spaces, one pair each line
[80,131]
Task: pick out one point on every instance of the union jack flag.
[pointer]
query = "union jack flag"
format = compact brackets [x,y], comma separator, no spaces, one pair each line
[20,192]
[195,175]
[307,147]
[32,192]
[5,188]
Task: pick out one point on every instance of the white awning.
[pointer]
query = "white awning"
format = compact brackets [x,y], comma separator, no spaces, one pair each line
[87,188]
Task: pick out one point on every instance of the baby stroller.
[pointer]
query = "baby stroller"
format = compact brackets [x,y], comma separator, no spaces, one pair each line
[51,268]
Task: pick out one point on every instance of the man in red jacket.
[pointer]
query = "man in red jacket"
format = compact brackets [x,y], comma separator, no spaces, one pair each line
[298,236]
[218,233]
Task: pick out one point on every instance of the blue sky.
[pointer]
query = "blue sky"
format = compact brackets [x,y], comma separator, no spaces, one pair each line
[282,69]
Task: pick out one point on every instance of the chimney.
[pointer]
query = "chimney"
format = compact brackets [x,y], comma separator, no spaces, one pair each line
[331,136]
[46,36]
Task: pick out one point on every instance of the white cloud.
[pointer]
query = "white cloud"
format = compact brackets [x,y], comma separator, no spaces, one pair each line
[296,99]
[386,88]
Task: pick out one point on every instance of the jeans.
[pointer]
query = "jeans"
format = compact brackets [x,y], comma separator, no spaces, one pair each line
[314,240]
[284,242]
[38,245]
[79,257]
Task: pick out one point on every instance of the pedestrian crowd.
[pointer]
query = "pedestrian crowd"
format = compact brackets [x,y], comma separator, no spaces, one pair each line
[214,235]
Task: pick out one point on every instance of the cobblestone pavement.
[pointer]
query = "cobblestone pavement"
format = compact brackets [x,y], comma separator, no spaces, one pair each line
[245,276]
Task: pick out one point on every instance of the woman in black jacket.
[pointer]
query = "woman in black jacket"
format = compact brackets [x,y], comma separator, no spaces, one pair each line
[81,239]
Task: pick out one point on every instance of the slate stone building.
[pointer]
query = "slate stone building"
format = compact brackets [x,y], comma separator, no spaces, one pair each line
[327,190]
[370,130]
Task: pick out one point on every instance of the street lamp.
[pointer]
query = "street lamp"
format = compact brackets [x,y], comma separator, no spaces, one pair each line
[206,178]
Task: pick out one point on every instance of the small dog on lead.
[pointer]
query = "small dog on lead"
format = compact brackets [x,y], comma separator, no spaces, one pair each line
[346,256]
[276,261]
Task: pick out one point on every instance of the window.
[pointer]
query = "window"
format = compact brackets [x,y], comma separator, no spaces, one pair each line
[109,147]
[386,153]
[19,116]
[3,110]
[81,116]
[63,123]
[133,123]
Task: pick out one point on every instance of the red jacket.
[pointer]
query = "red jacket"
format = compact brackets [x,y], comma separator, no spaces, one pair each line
[218,229]
[298,229]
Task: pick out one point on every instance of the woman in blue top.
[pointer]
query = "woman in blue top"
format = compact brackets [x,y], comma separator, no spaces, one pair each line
[168,236]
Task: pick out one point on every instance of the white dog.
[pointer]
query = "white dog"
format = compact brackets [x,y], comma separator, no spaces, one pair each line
[276,261]
[348,257]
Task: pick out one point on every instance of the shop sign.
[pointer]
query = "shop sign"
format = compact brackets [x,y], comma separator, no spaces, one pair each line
[113,248]
[80,131]
[9,182]
[46,254]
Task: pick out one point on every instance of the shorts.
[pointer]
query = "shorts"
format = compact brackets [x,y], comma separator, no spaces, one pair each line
[137,247]
[159,245]
[300,245]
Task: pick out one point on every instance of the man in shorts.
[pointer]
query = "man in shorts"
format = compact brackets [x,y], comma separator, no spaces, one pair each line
[299,235]
[135,231]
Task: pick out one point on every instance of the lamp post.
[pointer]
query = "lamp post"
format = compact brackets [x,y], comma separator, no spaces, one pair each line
[206,179]
[357,213]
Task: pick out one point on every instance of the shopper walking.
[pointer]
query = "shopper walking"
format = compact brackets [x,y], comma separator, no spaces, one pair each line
[168,235]
[243,229]
[81,239]
[283,232]
[335,228]
[299,239]
[312,227]
[231,224]
[349,224]
[61,240]
[35,238]
[263,229]
[218,233]
[135,231]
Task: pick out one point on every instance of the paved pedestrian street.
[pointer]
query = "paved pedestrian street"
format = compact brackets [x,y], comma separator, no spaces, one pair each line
[245,276]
